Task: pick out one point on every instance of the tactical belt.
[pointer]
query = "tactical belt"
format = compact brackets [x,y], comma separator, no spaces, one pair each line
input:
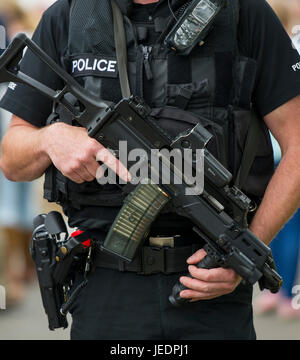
[150,260]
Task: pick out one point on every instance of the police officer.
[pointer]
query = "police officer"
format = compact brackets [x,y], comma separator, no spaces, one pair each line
[246,62]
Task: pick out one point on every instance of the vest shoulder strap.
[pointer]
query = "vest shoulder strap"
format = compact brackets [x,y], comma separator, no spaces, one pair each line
[121,49]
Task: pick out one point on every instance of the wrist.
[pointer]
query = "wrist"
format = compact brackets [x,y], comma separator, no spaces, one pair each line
[43,141]
[46,138]
[261,232]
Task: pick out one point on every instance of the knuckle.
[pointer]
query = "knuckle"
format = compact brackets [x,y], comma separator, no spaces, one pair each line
[205,288]
[95,146]
[101,155]
[192,271]
[110,161]
[85,155]
[195,273]
[230,287]
[232,276]
[71,168]
[81,159]
[207,276]
[68,171]
[75,166]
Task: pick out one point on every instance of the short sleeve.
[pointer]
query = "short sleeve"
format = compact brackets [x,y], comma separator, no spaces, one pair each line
[263,38]
[51,36]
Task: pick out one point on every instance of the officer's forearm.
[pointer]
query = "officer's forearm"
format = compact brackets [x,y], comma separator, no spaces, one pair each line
[281,199]
[23,156]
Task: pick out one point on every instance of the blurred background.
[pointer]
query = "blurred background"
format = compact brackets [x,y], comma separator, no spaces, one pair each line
[276,316]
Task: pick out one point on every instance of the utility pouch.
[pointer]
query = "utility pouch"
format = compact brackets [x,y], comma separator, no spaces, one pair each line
[175,121]
[251,155]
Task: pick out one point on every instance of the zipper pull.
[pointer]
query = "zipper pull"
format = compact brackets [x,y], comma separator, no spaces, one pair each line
[146,52]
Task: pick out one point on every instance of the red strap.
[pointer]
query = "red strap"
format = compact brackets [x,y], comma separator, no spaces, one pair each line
[86,243]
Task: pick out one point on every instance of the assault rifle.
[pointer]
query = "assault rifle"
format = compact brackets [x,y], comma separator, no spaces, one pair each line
[219,213]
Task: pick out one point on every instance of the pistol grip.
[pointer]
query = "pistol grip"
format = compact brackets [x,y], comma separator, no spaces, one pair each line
[207,263]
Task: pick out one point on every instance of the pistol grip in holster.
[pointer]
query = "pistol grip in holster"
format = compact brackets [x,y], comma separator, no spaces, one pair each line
[42,250]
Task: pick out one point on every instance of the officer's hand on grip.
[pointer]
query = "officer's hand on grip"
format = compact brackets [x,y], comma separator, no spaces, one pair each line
[76,155]
[207,284]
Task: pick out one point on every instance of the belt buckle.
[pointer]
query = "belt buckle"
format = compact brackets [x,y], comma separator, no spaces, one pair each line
[153,260]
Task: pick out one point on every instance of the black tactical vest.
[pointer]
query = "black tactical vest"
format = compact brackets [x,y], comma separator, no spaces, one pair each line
[213,85]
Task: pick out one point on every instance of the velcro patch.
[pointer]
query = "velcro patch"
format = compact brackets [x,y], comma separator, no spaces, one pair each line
[91,65]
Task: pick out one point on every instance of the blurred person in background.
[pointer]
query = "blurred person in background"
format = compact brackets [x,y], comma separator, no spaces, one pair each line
[23,15]
[16,18]
[17,206]
[294,22]
[3,44]
[285,246]
[288,11]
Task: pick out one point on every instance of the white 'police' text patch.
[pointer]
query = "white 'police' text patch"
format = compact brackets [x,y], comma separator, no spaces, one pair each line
[91,65]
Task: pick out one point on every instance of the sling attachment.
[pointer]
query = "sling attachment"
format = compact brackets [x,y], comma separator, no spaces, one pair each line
[121,49]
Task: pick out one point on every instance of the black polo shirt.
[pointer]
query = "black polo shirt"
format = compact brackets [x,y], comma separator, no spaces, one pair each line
[261,36]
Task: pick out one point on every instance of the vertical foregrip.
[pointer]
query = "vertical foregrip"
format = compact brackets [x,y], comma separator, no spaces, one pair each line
[207,263]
